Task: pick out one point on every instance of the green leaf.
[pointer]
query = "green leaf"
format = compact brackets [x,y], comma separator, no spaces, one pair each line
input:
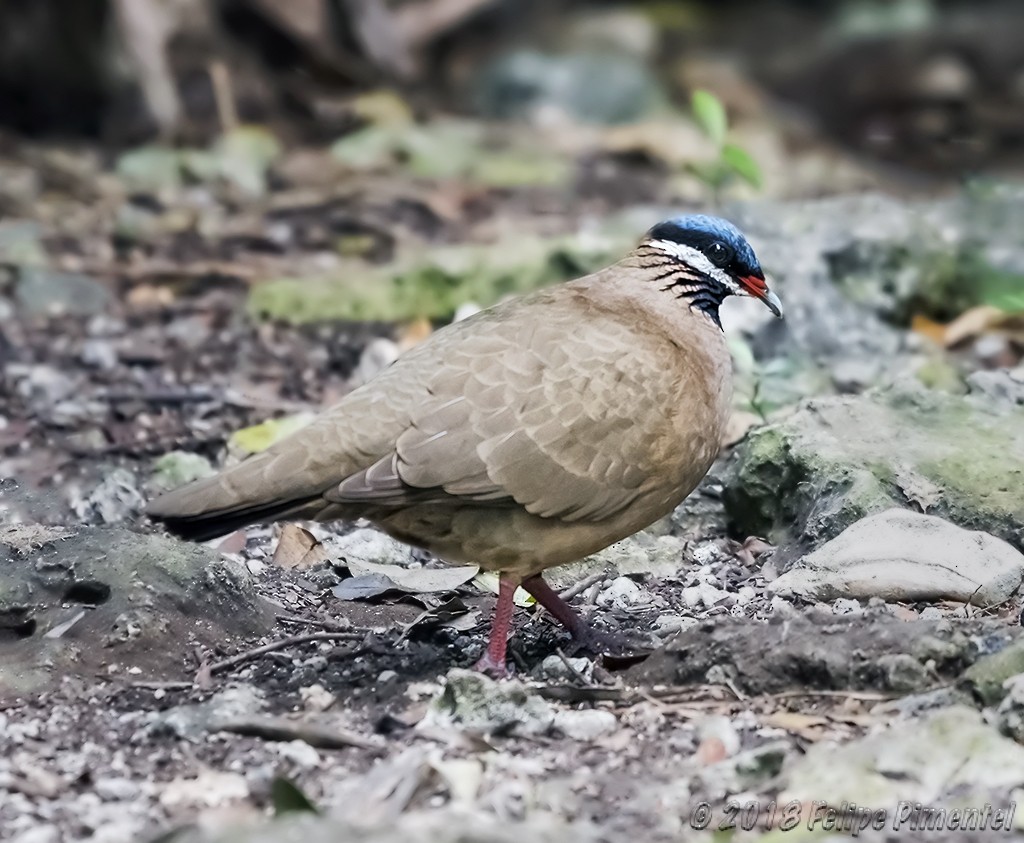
[259,437]
[1003,290]
[741,163]
[286,798]
[710,115]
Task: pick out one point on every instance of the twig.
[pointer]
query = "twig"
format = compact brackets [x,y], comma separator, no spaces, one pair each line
[168,396]
[280,729]
[588,693]
[274,646]
[223,96]
[145,685]
[328,625]
[582,585]
[867,696]
[579,677]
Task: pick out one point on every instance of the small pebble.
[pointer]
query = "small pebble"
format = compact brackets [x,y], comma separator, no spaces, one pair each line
[621,593]
[116,790]
[299,752]
[586,725]
[783,608]
[846,606]
[932,613]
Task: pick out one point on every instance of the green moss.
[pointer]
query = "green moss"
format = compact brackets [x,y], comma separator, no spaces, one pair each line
[433,284]
[836,460]
[987,675]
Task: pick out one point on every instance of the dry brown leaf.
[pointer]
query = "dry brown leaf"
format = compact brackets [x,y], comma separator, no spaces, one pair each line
[972,323]
[413,333]
[808,726]
[233,542]
[298,548]
[711,751]
[935,331]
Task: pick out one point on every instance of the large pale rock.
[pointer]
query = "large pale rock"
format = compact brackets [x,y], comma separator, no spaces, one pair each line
[806,478]
[950,758]
[900,555]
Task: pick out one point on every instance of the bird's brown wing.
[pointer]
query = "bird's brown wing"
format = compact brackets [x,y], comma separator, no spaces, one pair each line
[571,414]
[548,402]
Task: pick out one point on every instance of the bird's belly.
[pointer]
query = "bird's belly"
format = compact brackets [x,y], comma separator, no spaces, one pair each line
[512,540]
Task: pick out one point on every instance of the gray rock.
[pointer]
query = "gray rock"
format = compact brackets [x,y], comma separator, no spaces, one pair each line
[589,86]
[368,545]
[987,678]
[1011,710]
[116,499]
[193,721]
[111,789]
[807,478]
[142,601]
[474,701]
[45,292]
[641,553]
[914,705]
[904,556]
[867,651]
[555,668]
[948,751]
[1000,386]
[436,826]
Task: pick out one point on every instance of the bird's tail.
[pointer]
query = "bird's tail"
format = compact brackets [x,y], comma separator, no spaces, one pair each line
[241,495]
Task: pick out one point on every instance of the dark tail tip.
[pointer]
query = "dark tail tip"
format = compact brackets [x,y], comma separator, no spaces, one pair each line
[211,525]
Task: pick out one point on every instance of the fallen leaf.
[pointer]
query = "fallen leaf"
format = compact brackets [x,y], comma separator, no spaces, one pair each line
[363,587]
[935,331]
[971,323]
[233,543]
[416,580]
[286,798]
[808,726]
[259,437]
[298,548]
[443,613]
[414,332]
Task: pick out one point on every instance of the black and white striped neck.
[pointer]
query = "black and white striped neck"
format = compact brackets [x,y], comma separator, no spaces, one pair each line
[702,293]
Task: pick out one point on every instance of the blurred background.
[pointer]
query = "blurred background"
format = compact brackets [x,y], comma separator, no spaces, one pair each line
[213,212]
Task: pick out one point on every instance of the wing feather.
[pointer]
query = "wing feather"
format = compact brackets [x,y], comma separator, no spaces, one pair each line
[571,421]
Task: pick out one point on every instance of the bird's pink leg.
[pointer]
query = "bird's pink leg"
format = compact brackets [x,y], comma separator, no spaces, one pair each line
[492,662]
[557,607]
[585,637]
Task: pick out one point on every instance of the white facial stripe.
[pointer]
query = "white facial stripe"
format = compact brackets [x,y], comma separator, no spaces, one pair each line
[698,260]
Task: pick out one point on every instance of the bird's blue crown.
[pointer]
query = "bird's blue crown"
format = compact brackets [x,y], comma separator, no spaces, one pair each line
[699,230]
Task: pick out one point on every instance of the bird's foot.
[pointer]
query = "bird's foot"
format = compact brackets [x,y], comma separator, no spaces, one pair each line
[489,666]
[614,645]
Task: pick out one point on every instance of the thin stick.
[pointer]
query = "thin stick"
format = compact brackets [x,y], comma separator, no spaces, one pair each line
[274,646]
[867,696]
[223,96]
[582,585]
[579,677]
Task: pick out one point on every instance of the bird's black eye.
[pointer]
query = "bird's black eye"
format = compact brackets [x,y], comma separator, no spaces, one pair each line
[718,253]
